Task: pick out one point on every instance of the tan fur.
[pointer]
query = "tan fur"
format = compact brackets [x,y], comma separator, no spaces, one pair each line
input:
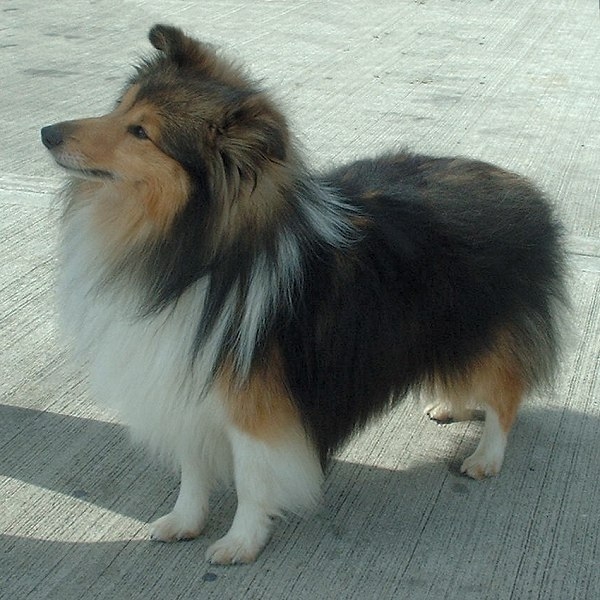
[262,407]
[249,192]
[244,148]
[501,384]
[147,188]
[494,380]
[255,205]
[463,172]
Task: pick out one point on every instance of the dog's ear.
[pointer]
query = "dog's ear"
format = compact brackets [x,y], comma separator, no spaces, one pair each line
[178,47]
[253,133]
[185,51]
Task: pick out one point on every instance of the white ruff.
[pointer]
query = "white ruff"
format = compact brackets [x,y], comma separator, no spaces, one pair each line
[139,366]
[142,367]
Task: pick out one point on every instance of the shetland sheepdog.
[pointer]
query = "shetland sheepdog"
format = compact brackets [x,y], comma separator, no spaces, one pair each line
[247,316]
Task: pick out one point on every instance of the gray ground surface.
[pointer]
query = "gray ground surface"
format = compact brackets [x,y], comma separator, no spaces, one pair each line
[515,82]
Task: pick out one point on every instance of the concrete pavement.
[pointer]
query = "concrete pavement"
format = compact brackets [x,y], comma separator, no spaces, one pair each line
[515,82]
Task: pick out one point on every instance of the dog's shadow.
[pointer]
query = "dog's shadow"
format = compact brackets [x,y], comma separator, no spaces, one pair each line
[95,461]
[368,510]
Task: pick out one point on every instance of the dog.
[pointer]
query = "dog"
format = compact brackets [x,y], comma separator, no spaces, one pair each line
[247,316]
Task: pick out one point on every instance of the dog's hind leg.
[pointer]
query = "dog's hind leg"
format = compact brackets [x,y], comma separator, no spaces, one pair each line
[495,383]
[489,455]
[501,393]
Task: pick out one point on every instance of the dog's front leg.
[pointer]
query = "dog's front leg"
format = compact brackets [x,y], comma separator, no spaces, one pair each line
[186,520]
[271,477]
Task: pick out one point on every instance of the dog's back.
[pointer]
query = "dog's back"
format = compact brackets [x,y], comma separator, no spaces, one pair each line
[456,286]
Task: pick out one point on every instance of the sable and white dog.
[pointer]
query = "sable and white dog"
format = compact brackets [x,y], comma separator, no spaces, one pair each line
[246,315]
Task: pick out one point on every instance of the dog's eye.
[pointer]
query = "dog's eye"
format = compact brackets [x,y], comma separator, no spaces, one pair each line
[138,131]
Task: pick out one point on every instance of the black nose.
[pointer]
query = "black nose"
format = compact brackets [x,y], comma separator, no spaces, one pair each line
[52,136]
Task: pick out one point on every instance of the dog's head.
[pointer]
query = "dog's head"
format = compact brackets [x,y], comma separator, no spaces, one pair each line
[189,127]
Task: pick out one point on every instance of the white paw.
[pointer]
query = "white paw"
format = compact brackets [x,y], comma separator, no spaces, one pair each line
[442,413]
[175,526]
[234,549]
[481,465]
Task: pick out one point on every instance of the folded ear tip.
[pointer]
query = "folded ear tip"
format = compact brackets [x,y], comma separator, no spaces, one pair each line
[161,35]
[186,51]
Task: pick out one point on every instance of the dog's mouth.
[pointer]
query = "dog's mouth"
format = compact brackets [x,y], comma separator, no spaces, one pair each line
[82,172]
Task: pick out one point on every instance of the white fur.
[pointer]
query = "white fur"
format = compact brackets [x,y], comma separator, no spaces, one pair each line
[322,208]
[445,411]
[269,284]
[489,455]
[269,477]
[141,367]
[187,519]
